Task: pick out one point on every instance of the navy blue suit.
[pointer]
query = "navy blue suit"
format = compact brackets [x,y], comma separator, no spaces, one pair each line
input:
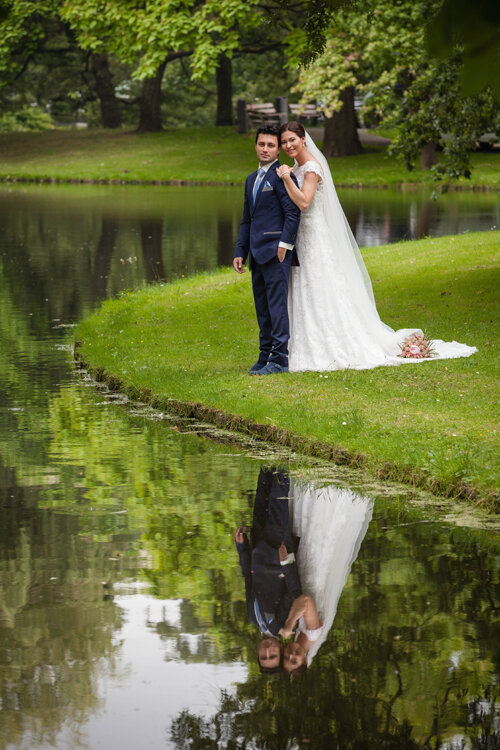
[269,586]
[274,218]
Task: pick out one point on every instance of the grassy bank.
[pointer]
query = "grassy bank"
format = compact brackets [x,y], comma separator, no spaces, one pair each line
[190,154]
[430,424]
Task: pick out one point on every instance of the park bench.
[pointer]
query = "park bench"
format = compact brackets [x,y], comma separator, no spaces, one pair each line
[252,115]
[261,112]
[308,112]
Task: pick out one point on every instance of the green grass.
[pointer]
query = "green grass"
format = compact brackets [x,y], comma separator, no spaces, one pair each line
[189,154]
[432,423]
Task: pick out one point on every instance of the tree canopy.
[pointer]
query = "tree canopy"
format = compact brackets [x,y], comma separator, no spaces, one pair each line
[402,85]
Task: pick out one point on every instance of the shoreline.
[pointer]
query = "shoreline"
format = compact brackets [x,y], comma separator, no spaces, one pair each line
[177,346]
[279,436]
[398,187]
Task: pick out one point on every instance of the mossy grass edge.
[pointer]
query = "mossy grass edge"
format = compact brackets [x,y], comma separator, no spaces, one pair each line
[185,348]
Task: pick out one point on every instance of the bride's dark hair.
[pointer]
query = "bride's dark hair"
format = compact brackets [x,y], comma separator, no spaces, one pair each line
[294,127]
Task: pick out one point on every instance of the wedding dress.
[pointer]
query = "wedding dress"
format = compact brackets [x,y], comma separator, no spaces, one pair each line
[331,523]
[334,323]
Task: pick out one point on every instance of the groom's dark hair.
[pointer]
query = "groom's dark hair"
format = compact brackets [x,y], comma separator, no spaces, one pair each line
[269,129]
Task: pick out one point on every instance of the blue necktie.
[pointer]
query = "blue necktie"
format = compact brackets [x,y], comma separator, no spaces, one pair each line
[257,182]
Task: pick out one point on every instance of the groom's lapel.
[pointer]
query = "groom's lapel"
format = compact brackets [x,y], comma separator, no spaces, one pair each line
[265,180]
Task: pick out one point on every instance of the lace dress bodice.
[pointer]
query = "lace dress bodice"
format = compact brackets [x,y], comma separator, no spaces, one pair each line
[315,208]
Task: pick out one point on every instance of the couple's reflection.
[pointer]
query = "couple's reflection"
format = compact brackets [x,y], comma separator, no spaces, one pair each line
[303,542]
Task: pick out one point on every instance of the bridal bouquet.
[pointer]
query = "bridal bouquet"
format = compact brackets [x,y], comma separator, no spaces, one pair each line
[417,346]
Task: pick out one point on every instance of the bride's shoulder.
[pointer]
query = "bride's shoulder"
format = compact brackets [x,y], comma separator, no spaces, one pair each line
[313,166]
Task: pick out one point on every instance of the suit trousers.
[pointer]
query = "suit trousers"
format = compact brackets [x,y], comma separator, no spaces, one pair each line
[270,293]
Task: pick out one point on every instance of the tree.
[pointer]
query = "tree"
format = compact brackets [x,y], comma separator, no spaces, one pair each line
[110,109]
[402,85]
[40,63]
[210,32]
[165,30]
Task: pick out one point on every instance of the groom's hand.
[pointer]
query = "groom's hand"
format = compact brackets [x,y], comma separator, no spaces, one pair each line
[238,265]
[281,254]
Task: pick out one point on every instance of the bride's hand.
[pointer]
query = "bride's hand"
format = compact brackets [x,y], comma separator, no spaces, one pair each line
[283,170]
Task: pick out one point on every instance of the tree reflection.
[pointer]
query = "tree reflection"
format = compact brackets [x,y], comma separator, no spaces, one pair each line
[410,661]
[56,625]
[102,259]
[151,244]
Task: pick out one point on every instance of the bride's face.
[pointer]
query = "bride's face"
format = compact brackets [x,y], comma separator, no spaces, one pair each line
[293,656]
[292,144]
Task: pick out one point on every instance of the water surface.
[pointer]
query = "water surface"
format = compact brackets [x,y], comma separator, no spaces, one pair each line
[123,620]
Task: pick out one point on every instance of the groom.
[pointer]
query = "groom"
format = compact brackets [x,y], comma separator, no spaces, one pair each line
[268,564]
[267,235]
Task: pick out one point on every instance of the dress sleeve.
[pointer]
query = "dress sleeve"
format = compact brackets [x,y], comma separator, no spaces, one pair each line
[313,166]
[311,635]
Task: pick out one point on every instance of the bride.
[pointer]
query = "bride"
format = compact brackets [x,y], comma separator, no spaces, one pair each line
[334,323]
[331,523]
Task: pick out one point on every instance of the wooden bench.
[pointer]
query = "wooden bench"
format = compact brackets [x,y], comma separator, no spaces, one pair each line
[261,112]
[251,116]
[308,112]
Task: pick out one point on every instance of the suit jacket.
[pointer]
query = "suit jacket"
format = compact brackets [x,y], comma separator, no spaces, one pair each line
[273,219]
[275,586]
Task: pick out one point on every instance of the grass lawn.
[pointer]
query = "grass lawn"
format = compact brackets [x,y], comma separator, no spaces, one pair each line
[190,154]
[433,424]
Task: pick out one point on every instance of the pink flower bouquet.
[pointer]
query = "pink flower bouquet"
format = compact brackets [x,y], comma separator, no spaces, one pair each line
[417,346]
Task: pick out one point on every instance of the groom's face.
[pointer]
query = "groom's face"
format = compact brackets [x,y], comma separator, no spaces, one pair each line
[267,148]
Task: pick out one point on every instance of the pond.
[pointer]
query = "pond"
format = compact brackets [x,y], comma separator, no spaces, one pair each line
[161,231]
[123,608]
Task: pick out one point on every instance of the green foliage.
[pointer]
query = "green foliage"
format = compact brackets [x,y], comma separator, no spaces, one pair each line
[476,28]
[22,31]
[402,86]
[145,35]
[263,77]
[437,113]
[28,118]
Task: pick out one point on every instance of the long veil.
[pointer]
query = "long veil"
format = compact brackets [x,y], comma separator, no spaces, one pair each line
[346,247]
[331,523]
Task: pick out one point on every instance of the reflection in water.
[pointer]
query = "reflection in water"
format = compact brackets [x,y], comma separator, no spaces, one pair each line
[102,260]
[169,231]
[407,657]
[123,619]
[151,245]
[293,584]
[268,564]
[331,523]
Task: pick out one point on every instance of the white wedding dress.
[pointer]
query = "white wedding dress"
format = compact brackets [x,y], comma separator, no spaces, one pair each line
[334,323]
[331,523]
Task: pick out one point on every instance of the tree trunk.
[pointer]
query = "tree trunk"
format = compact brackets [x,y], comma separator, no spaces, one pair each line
[224,79]
[150,117]
[341,134]
[428,156]
[111,116]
